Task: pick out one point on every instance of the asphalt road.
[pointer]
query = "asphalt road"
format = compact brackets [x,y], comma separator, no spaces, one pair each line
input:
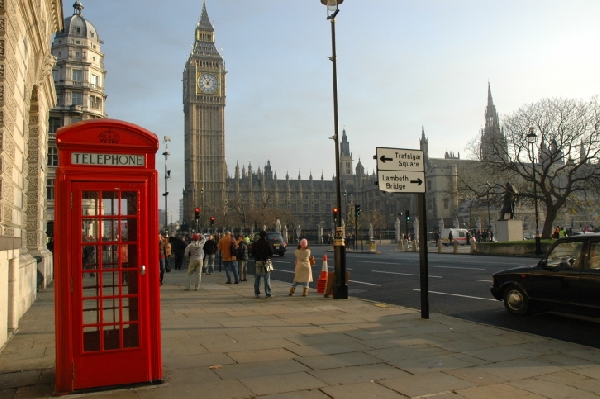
[459,286]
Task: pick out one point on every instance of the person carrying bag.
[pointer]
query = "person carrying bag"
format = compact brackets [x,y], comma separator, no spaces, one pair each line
[262,250]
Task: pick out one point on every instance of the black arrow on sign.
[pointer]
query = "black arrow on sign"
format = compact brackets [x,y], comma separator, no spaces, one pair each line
[383,159]
[418,181]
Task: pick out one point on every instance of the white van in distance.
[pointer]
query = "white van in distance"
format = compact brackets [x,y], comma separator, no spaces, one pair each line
[458,235]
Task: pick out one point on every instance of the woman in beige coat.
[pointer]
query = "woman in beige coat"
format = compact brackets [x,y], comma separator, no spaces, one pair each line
[303,271]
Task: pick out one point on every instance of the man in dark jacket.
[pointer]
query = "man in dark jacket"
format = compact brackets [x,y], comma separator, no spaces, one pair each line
[210,249]
[178,246]
[262,250]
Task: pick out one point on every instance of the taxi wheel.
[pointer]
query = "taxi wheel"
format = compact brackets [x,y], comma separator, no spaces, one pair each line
[516,300]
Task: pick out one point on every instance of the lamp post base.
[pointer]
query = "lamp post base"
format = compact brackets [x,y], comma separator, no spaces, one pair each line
[340,285]
[538,245]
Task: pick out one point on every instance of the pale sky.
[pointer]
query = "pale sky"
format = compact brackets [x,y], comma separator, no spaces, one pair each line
[401,65]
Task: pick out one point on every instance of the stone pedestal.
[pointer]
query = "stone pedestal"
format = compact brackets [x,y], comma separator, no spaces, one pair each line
[509,230]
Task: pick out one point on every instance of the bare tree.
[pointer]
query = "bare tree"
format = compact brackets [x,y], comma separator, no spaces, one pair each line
[565,154]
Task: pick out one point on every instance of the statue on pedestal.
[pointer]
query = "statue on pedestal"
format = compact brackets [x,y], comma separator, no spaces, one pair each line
[510,198]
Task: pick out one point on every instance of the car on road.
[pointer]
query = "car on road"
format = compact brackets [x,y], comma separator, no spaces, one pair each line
[275,238]
[567,278]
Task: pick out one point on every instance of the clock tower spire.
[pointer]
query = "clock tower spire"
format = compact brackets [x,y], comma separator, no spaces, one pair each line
[204,115]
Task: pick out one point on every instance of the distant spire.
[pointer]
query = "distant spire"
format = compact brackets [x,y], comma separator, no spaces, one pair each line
[490,100]
[204,21]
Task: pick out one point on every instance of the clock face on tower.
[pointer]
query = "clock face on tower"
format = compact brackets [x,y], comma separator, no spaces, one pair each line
[208,83]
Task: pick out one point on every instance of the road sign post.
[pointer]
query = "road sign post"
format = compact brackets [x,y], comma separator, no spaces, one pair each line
[401,170]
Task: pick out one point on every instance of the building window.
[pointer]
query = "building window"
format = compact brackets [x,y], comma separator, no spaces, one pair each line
[55,75]
[95,80]
[77,75]
[95,102]
[52,156]
[305,208]
[77,54]
[73,120]
[54,124]
[59,99]
[446,203]
[76,98]
[50,189]
[316,208]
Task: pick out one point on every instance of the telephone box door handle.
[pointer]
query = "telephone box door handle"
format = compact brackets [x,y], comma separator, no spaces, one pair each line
[143,270]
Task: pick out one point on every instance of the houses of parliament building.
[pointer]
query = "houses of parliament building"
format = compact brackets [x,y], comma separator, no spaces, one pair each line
[309,201]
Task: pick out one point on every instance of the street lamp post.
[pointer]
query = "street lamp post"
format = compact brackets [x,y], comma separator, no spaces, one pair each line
[167,177]
[488,206]
[202,211]
[340,286]
[531,138]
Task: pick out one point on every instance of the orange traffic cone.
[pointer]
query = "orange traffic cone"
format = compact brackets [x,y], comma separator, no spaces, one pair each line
[322,282]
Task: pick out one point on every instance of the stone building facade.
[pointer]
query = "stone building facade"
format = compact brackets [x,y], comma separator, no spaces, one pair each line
[26,96]
[78,77]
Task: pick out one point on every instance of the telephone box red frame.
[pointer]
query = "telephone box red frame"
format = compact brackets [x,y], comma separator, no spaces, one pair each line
[107,296]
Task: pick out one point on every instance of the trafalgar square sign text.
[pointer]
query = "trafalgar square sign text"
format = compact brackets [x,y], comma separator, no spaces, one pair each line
[400,170]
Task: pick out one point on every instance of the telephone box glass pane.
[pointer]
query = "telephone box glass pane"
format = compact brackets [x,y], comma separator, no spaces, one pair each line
[109,230]
[91,339]
[130,336]
[124,255]
[89,230]
[129,203]
[109,257]
[90,286]
[130,282]
[110,284]
[130,309]
[111,337]
[130,287]
[90,312]
[109,203]
[110,310]
[89,259]
[89,202]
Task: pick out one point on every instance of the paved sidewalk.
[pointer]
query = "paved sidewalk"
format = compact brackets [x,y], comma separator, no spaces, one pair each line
[220,342]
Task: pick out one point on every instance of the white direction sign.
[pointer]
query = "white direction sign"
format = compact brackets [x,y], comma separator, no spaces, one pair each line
[401,181]
[400,159]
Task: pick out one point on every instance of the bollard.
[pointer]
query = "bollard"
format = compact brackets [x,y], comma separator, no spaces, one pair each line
[455,249]
[439,245]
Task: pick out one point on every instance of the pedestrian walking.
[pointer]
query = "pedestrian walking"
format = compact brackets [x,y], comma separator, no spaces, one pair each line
[162,255]
[242,258]
[262,250]
[210,249]
[179,250]
[227,247]
[195,252]
[302,270]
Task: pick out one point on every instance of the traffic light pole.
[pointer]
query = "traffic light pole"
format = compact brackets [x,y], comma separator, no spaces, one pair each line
[424,261]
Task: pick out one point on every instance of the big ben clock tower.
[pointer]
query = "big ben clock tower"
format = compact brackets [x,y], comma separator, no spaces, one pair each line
[204,109]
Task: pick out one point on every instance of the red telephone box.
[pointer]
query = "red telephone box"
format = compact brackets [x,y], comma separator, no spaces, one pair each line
[107,290]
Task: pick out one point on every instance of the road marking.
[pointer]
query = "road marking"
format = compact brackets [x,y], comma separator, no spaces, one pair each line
[379,263]
[457,267]
[458,295]
[402,274]
[361,282]
[485,281]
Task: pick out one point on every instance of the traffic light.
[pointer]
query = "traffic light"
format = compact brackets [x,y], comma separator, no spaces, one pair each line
[212,221]
[357,210]
[197,212]
[407,215]
[335,213]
